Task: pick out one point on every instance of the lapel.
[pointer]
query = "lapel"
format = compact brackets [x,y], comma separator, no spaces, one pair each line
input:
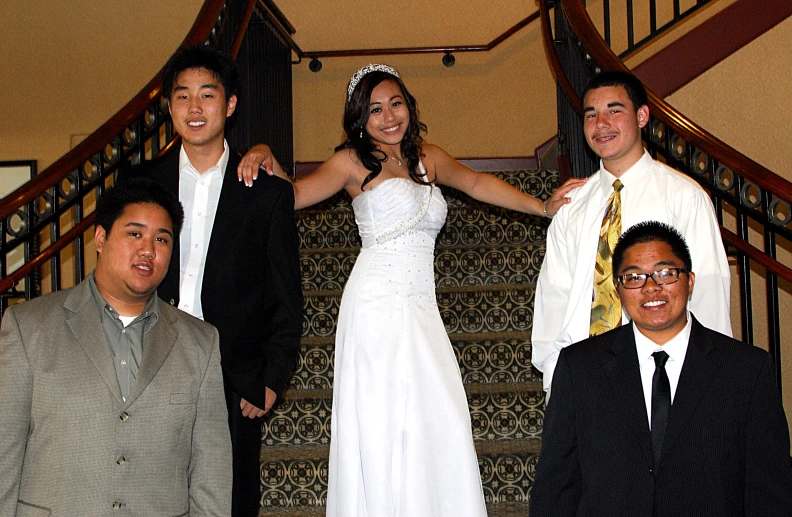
[168,173]
[697,373]
[165,170]
[157,346]
[620,362]
[82,318]
[226,224]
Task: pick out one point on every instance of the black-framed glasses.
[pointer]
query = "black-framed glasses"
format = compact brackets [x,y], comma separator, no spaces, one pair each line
[663,276]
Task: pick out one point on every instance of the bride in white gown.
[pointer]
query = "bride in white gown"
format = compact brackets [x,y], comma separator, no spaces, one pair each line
[401,440]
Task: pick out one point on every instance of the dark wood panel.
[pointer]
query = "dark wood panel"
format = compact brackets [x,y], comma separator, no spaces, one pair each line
[710,43]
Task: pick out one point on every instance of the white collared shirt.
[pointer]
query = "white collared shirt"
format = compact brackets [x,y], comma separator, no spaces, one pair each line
[652,192]
[199,195]
[676,348]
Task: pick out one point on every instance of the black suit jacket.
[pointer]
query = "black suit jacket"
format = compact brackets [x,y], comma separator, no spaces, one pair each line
[725,451]
[251,288]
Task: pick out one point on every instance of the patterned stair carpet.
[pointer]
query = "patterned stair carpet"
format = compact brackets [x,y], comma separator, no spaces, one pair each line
[486,265]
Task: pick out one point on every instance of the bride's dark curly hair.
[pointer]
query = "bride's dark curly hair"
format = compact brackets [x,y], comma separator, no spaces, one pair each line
[356,115]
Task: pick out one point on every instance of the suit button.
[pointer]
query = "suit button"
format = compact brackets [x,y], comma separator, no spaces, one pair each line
[120,460]
[117,505]
[124,416]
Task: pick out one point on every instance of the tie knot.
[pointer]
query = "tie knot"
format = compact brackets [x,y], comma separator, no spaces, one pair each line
[618,185]
[660,358]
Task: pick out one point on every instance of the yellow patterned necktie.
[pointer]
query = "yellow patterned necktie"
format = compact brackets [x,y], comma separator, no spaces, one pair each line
[606,309]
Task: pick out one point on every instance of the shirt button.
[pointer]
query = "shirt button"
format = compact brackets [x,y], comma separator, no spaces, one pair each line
[123,362]
[117,505]
[199,214]
[120,460]
[124,416]
[196,246]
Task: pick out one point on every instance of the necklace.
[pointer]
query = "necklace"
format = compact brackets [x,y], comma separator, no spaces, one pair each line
[397,160]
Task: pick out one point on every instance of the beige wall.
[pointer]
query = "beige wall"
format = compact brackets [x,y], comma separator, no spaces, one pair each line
[67,67]
[500,103]
[497,103]
[745,100]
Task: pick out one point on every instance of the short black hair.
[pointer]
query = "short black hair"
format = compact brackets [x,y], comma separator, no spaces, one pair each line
[651,231]
[631,84]
[220,64]
[114,201]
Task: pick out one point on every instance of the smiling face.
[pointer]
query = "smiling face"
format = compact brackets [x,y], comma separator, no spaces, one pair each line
[658,311]
[199,108]
[389,116]
[133,256]
[612,127]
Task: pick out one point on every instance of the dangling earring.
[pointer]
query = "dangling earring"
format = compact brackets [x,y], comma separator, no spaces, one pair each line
[361,134]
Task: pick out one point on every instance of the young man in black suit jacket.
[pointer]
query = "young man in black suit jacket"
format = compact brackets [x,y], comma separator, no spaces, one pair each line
[236,263]
[703,434]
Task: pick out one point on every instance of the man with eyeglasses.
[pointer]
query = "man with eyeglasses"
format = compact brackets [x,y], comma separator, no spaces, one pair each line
[575,297]
[662,417]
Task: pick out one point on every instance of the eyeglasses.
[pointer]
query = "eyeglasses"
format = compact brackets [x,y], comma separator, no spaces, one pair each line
[665,276]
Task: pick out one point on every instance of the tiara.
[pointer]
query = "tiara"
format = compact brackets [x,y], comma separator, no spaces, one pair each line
[367,70]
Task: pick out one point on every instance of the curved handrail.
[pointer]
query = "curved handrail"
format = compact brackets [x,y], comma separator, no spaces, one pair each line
[552,58]
[96,142]
[585,30]
[116,124]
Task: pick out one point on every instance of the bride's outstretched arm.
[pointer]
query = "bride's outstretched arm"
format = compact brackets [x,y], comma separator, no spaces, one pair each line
[491,189]
[328,179]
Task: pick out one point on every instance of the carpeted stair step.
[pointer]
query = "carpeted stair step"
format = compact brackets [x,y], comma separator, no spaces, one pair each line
[297,479]
[468,226]
[539,183]
[489,308]
[486,357]
[493,510]
[456,265]
[502,411]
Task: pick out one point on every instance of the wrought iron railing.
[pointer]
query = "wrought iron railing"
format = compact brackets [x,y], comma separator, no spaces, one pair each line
[51,216]
[753,205]
[628,25]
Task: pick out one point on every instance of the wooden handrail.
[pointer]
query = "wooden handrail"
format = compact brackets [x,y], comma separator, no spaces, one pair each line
[757,255]
[552,58]
[116,124]
[420,50]
[585,30]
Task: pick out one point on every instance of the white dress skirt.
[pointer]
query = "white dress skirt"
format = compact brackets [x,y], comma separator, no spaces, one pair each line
[401,443]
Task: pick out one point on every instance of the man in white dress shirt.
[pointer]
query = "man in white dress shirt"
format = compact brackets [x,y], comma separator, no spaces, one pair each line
[662,416]
[615,111]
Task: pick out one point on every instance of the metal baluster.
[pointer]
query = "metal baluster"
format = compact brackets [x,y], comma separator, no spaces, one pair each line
[630,25]
[773,309]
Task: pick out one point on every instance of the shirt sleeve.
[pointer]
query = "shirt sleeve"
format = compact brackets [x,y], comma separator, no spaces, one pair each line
[553,290]
[710,300]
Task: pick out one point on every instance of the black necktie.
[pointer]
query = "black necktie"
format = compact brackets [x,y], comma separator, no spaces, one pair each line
[661,402]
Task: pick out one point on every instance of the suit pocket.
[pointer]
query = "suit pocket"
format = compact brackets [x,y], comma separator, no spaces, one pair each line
[31,510]
[183,398]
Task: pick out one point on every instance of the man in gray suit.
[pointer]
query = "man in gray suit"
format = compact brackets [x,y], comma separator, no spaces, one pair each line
[109,398]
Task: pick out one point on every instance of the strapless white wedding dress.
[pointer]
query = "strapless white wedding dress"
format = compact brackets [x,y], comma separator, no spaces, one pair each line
[401,442]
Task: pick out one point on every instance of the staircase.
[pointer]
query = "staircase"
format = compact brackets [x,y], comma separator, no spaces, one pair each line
[486,264]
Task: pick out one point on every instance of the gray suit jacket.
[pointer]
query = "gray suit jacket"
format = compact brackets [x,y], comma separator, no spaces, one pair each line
[71,446]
